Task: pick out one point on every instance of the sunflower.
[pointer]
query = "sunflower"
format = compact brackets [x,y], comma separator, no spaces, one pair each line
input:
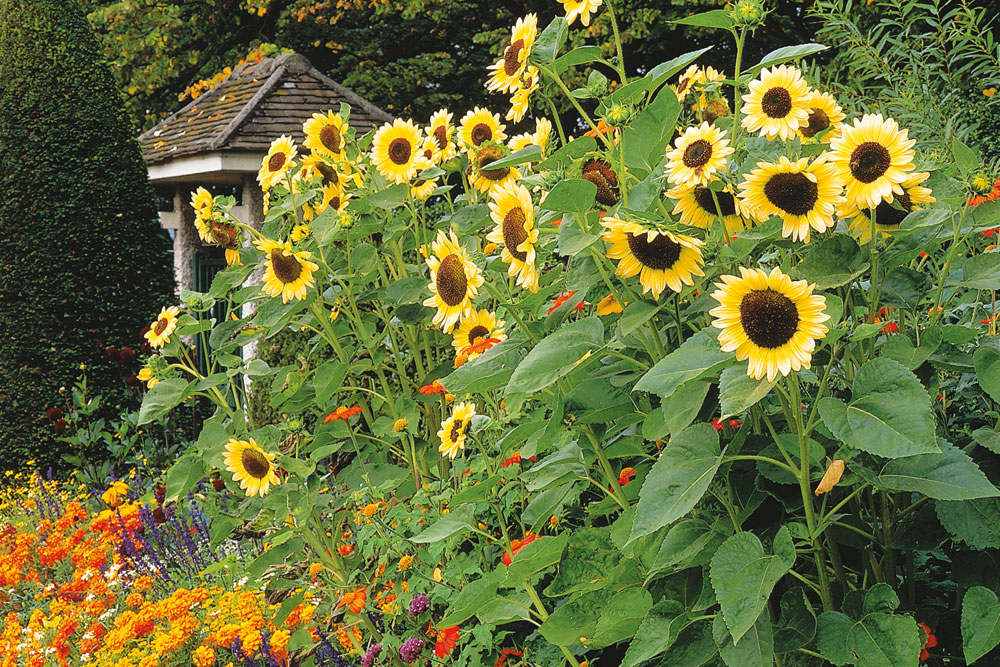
[442,131]
[326,134]
[872,156]
[480,125]
[581,8]
[485,179]
[475,330]
[288,273]
[455,281]
[803,195]
[521,99]
[824,114]
[697,155]
[661,258]
[770,319]
[333,197]
[505,74]
[228,237]
[279,159]
[395,149]
[251,466]
[778,103]
[887,216]
[514,215]
[160,330]
[697,207]
[201,202]
[454,429]
[543,131]
[600,173]
[519,141]
[687,80]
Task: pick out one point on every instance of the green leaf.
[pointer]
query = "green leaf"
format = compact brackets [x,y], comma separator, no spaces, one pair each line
[980,622]
[905,288]
[573,240]
[551,40]
[797,624]
[531,153]
[574,150]
[456,521]
[556,355]
[328,379]
[754,649]
[647,136]
[834,261]
[699,357]
[540,554]
[163,397]
[470,599]
[886,640]
[490,370]
[566,464]
[184,474]
[574,195]
[965,157]
[785,54]
[975,522]
[688,543]
[577,618]
[578,56]
[889,415]
[657,632]
[950,475]
[677,480]
[590,558]
[621,618]
[987,362]
[716,18]
[665,70]
[900,347]
[738,392]
[743,576]
[831,637]
[676,412]
[636,314]
[867,330]
[390,198]
[988,438]
[980,271]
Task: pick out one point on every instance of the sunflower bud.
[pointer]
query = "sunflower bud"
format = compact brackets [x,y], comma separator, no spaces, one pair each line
[748,13]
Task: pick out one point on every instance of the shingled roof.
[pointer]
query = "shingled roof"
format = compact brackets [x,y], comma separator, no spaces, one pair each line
[255,104]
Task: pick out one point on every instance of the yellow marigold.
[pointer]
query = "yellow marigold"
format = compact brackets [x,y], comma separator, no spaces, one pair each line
[405,562]
[115,493]
[203,657]
[371,509]
[399,425]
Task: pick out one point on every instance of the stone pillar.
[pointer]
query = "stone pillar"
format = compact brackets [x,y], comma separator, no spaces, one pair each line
[253,201]
[186,240]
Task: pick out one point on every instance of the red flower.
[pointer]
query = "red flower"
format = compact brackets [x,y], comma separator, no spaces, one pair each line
[343,412]
[112,354]
[930,643]
[433,388]
[54,414]
[346,550]
[60,426]
[733,423]
[127,355]
[890,327]
[132,381]
[504,654]
[516,546]
[560,301]
[512,460]
[625,476]
[991,232]
[480,346]
[446,641]
[557,222]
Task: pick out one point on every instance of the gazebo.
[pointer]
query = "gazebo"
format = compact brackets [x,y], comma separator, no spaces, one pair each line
[219,140]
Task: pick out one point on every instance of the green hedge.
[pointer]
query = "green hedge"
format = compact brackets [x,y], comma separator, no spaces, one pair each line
[85,264]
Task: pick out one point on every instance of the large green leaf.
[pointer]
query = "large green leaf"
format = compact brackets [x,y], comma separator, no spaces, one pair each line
[796,626]
[621,618]
[987,362]
[886,640]
[572,151]
[700,356]
[785,54]
[738,391]
[980,271]
[831,637]
[328,379]
[646,137]
[975,522]
[834,261]
[457,521]
[949,475]
[889,415]
[980,622]
[900,347]
[556,355]
[677,480]
[743,576]
[716,18]
[574,195]
[577,618]
[754,649]
[470,599]
[688,543]
[163,397]
[490,370]
[676,412]
[551,40]
[540,554]
[657,632]
[905,288]
[590,558]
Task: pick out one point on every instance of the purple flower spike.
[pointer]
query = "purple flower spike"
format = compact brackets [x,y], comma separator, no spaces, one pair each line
[419,604]
[411,648]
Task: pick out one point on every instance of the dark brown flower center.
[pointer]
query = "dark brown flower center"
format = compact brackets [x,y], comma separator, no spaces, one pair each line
[818,121]
[869,161]
[329,174]
[335,202]
[683,85]
[660,253]
[776,102]
[451,281]
[480,132]
[286,268]
[792,193]
[330,137]
[511,61]
[225,235]
[161,325]
[703,196]
[478,331]
[255,463]
[440,135]
[400,150]
[697,154]
[889,217]
[600,173]
[514,233]
[769,318]
[276,161]
[456,429]
[485,157]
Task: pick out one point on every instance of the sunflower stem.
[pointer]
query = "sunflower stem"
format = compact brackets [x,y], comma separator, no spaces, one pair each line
[542,614]
[740,39]
[618,43]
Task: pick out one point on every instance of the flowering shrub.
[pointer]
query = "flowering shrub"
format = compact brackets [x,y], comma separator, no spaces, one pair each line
[662,391]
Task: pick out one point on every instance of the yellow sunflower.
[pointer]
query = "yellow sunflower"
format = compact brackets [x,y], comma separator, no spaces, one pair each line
[395,150]
[343,173]
[521,99]
[201,202]
[580,8]
[888,217]
[697,155]
[824,114]
[477,333]
[326,133]
[873,157]
[778,103]
[279,159]
[485,179]
[288,274]
[442,131]
[160,330]
[661,259]
[803,194]
[769,319]
[697,207]
[146,375]
[454,429]
[333,197]
[543,131]
[228,237]
[251,466]
[505,74]
[455,281]
[687,80]
[480,125]
[512,211]
[519,141]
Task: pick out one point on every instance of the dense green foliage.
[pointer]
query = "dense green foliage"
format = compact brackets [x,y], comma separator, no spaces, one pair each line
[84,259]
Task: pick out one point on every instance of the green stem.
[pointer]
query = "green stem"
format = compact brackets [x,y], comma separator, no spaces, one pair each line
[609,472]
[544,615]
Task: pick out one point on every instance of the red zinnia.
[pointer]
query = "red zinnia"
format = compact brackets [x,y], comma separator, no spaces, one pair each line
[516,546]
[930,643]
[512,460]
[563,299]
[433,388]
[504,654]
[446,641]
[343,412]
[625,476]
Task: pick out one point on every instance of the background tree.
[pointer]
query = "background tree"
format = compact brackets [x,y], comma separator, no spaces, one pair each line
[84,261]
